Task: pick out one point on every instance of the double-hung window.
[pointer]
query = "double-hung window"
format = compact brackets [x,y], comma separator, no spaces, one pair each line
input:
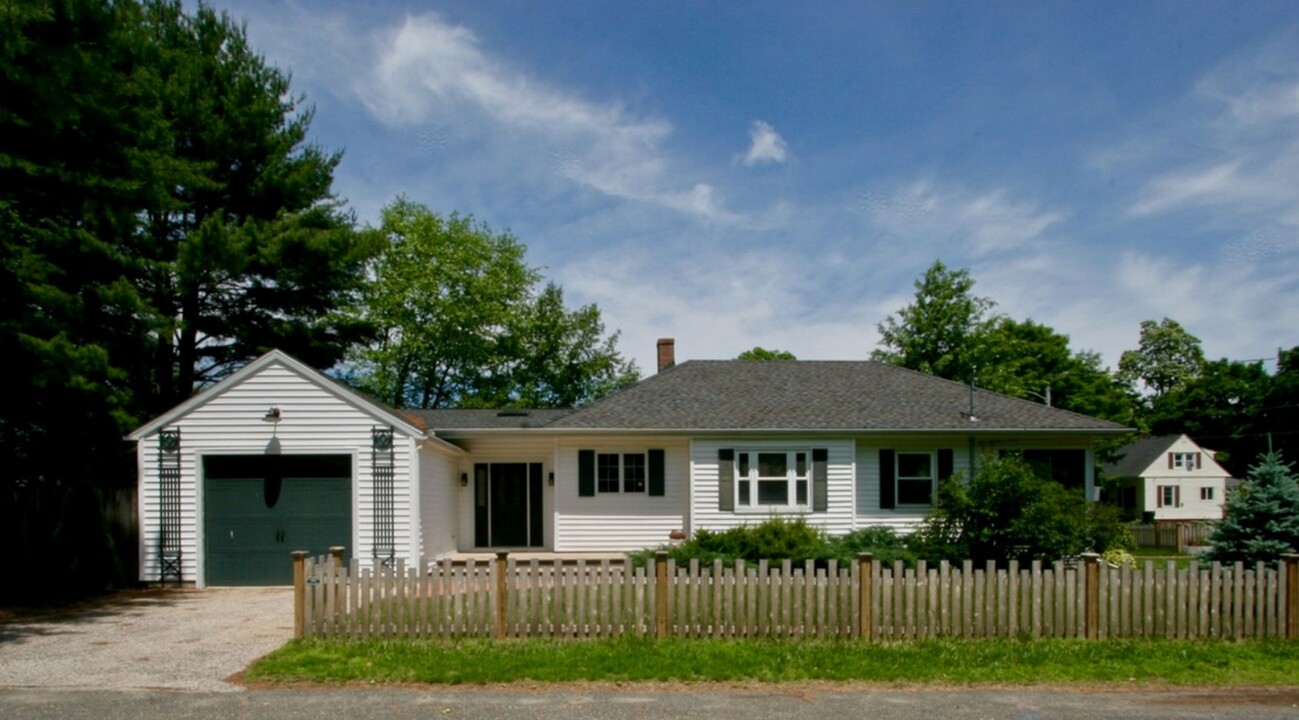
[915,478]
[1206,493]
[1182,460]
[772,478]
[620,472]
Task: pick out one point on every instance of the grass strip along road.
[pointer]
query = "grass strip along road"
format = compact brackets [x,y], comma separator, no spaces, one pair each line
[961,662]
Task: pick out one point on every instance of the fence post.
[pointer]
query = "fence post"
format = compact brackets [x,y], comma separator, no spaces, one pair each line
[336,552]
[501,599]
[661,594]
[1291,563]
[299,593]
[1091,595]
[865,570]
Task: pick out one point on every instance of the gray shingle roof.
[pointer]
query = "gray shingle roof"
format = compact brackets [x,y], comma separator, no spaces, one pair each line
[466,418]
[1138,456]
[814,395]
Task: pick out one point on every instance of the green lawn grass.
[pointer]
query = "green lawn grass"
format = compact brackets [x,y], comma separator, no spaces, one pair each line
[962,662]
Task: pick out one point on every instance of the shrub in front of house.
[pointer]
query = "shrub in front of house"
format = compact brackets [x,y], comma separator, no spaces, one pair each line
[777,539]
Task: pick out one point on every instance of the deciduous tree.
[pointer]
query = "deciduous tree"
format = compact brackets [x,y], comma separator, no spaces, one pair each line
[761,353]
[462,324]
[941,332]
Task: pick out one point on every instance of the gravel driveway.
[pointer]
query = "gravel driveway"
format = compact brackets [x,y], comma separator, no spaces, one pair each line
[172,640]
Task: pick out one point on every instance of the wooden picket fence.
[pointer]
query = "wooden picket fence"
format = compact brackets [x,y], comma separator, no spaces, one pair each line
[538,598]
[1171,535]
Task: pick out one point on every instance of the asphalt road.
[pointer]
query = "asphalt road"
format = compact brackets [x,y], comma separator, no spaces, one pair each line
[715,703]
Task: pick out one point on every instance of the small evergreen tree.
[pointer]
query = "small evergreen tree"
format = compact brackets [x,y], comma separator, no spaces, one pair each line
[1261,519]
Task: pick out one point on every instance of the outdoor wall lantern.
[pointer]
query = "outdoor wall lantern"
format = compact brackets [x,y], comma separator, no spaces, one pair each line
[464,479]
[551,478]
[272,415]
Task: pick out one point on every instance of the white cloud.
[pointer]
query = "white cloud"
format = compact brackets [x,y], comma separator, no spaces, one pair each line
[1233,145]
[765,145]
[952,219]
[429,71]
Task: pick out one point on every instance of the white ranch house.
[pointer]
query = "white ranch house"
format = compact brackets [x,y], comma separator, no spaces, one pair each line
[278,457]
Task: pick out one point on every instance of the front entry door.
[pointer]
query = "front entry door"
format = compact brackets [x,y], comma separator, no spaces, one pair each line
[507,505]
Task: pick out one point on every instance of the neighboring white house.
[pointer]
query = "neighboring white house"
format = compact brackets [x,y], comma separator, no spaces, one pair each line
[1169,479]
[278,457]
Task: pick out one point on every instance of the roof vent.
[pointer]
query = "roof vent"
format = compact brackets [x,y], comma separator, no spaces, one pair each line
[513,413]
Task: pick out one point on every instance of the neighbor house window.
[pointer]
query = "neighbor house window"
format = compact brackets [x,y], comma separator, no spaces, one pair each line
[616,472]
[915,478]
[772,478]
[1168,495]
[1182,460]
[1206,493]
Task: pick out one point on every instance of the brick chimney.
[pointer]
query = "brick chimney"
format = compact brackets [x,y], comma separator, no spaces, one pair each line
[667,353]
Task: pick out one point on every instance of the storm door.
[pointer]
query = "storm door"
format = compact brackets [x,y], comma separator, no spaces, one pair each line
[508,505]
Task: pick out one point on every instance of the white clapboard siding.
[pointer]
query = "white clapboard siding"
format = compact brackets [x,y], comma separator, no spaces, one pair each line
[313,421]
[619,521]
[838,520]
[439,490]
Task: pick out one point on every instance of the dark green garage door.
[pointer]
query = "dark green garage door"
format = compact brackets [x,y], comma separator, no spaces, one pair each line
[259,508]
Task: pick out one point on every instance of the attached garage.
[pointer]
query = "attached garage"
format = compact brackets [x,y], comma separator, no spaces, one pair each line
[259,508]
[273,459]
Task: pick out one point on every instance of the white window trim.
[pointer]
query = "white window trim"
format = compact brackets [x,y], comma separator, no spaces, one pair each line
[1207,493]
[1184,461]
[620,482]
[897,477]
[792,478]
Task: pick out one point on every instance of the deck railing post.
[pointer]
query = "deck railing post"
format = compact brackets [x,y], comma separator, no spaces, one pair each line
[1290,561]
[299,593]
[661,594]
[1091,595]
[501,598]
[865,578]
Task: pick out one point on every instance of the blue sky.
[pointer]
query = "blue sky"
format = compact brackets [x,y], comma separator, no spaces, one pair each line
[779,174]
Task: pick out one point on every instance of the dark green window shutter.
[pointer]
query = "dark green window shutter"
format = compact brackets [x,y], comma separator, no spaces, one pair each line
[726,480]
[887,488]
[656,473]
[945,470]
[820,479]
[586,473]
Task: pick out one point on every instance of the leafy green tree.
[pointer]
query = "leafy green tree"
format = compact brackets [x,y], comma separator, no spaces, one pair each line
[1222,408]
[444,292]
[761,353]
[1008,512]
[942,331]
[555,357]
[1168,357]
[1029,360]
[1261,518]
[462,324]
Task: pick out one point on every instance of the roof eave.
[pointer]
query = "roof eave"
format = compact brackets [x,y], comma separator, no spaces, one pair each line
[487,432]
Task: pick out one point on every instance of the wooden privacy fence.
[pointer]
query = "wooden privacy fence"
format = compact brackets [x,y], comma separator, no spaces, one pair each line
[537,598]
[1174,535]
